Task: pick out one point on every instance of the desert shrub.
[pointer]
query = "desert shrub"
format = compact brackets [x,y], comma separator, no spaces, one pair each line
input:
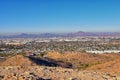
[83,66]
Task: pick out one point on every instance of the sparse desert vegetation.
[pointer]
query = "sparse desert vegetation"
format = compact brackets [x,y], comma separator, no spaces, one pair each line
[61,66]
[59,39]
[58,61]
[82,60]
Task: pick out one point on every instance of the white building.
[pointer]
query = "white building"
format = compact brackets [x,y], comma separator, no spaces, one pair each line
[105,51]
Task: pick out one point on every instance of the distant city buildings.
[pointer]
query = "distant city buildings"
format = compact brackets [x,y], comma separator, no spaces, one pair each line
[104,51]
[36,46]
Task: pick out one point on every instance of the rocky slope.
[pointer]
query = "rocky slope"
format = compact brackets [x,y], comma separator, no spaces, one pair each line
[23,68]
[51,73]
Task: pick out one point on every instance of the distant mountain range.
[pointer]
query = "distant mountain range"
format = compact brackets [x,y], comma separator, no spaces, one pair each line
[50,35]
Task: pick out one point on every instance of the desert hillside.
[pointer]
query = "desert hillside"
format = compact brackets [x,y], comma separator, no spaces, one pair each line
[17,60]
[84,67]
[111,66]
[83,60]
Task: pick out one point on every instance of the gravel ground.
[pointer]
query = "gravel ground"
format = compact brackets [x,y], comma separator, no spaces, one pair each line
[51,73]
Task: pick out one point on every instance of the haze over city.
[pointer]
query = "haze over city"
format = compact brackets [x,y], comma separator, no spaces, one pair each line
[18,16]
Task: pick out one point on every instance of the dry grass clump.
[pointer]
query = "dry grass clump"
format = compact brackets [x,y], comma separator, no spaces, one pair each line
[17,60]
[82,60]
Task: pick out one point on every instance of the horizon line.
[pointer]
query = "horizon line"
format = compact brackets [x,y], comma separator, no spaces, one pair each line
[57,32]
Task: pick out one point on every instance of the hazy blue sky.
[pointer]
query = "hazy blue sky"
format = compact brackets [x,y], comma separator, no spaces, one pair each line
[59,15]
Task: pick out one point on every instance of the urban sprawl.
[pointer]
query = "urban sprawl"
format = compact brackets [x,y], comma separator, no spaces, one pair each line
[36,46]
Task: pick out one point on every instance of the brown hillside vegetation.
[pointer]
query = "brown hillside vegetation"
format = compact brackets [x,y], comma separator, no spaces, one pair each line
[111,66]
[83,60]
[20,60]
[78,60]
[98,67]
[17,60]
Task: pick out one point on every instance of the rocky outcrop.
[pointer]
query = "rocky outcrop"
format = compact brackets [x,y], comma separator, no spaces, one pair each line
[23,68]
[52,73]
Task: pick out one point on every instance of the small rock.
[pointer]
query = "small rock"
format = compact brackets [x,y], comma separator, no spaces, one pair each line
[40,79]
[1,77]
[72,78]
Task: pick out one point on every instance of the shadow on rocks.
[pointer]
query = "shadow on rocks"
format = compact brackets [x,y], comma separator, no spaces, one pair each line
[43,79]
